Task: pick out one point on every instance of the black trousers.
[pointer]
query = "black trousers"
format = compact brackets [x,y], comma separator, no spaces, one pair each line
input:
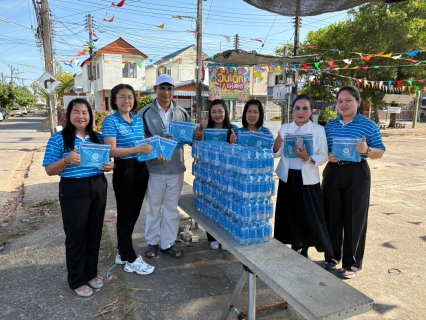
[130,180]
[346,193]
[83,202]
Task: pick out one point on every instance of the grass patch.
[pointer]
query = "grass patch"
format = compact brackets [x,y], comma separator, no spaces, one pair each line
[46,203]
[130,308]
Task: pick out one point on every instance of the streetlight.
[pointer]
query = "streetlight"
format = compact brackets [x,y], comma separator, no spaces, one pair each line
[7,21]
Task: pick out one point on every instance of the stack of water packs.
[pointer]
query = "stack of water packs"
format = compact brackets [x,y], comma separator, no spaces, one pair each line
[234,186]
[93,155]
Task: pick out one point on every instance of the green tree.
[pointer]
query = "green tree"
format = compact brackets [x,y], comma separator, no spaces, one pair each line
[371,29]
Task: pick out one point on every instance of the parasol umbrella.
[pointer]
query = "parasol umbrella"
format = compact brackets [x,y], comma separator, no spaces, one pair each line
[309,7]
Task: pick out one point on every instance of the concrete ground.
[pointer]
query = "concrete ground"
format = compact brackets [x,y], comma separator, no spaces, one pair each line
[33,273]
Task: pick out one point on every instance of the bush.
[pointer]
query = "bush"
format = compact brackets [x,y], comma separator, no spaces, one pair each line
[143,102]
[326,115]
[99,120]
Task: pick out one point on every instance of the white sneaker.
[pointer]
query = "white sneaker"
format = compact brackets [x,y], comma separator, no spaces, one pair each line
[139,266]
[118,259]
[214,245]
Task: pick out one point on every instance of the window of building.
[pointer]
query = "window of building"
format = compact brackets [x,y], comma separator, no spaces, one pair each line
[129,70]
[169,72]
[98,74]
[257,80]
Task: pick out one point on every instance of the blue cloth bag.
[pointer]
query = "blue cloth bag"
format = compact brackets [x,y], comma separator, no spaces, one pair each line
[243,137]
[216,134]
[154,154]
[182,132]
[344,149]
[290,141]
[260,140]
[93,155]
[167,147]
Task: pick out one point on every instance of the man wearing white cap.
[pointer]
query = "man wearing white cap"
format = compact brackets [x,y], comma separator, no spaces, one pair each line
[165,177]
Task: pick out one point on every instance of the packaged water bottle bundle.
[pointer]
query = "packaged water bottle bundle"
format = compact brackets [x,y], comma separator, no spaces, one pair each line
[290,141]
[160,145]
[182,132]
[154,154]
[93,155]
[216,134]
[255,139]
[234,186]
[345,149]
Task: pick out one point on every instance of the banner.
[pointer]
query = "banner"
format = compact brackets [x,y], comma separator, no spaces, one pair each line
[226,82]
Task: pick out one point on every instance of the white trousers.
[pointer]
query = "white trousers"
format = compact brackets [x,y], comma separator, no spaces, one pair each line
[162,218]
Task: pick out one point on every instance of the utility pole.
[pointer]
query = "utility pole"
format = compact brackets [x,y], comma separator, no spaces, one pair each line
[416,107]
[200,102]
[11,75]
[90,66]
[283,105]
[296,53]
[237,42]
[46,35]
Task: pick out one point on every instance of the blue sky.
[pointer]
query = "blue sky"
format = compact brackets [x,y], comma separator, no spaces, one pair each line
[135,23]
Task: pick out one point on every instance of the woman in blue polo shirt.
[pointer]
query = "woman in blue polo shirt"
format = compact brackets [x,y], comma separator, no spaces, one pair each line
[130,177]
[346,185]
[252,118]
[82,195]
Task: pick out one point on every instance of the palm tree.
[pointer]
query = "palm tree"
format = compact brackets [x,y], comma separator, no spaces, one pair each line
[66,83]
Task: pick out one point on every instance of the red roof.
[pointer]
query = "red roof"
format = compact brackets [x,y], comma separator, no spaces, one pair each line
[119,46]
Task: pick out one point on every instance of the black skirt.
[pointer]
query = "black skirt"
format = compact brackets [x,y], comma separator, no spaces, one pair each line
[299,214]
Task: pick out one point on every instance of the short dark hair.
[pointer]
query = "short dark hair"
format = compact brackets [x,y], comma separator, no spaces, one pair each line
[304,97]
[68,133]
[259,105]
[353,91]
[117,89]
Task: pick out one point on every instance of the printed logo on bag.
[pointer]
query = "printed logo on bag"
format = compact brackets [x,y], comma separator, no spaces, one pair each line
[95,156]
[259,143]
[345,150]
[163,148]
[215,138]
[183,131]
[123,129]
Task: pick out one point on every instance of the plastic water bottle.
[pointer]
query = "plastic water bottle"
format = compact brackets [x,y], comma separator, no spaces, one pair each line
[267,230]
[260,232]
[244,235]
[252,233]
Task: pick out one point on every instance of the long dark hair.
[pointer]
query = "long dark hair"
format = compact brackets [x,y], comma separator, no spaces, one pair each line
[259,105]
[68,133]
[116,89]
[353,91]
[226,121]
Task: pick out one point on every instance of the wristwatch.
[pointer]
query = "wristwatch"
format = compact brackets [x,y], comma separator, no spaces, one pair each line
[368,150]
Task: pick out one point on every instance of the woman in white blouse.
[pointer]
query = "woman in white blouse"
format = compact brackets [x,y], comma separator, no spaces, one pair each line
[299,213]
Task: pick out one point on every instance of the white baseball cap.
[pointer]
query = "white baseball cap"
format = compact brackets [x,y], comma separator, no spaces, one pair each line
[164,78]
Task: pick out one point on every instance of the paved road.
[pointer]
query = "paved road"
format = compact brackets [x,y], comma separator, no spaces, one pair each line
[19,138]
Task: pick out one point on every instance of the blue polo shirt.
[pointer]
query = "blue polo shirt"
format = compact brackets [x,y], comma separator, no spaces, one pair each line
[262,129]
[126,134]
[55,150]
[360,126]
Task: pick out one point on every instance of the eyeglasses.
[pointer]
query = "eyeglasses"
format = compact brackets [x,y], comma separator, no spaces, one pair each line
[299,108]
[169,89]
[123,98]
